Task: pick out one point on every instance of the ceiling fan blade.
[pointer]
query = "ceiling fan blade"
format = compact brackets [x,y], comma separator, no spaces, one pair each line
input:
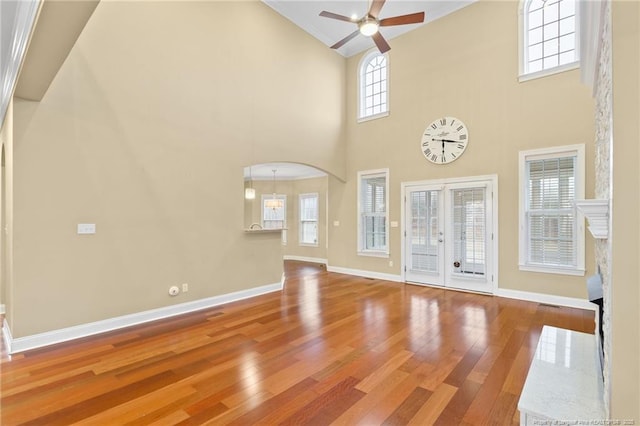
[336,16]
[346,39]
[382,44]
[376,6]
[413,18]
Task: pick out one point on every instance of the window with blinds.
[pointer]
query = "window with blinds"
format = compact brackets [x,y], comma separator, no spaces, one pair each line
[274,214]
[552,183]
[309,219]
[373,212]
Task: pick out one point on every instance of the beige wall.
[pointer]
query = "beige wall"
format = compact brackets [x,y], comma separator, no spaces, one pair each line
[470,74]
[625,281]
[145,132]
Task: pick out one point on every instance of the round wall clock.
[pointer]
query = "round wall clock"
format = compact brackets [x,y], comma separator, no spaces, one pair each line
[444,140]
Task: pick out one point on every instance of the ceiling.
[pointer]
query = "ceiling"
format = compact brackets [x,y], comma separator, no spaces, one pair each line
[305,14]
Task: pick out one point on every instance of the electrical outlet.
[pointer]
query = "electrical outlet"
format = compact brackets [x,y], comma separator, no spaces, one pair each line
[391,263]
[185,287]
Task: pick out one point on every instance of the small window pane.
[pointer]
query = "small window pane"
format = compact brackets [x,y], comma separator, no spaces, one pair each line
[567,26]
[551,47]
[535,5]
[550,31]
[567,42]
[567,58]
[535,52]
[567,8]
[550,62]
[535,36]
[550,13]
[535,19]
[535,66]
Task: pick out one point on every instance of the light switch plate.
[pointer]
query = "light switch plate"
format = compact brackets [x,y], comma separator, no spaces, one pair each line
[394,224]
[86,228]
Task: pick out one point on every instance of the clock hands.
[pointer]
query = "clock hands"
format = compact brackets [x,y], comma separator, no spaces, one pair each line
[445,140]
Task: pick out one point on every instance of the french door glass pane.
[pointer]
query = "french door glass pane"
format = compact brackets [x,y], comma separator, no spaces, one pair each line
[469,231]
[424,231]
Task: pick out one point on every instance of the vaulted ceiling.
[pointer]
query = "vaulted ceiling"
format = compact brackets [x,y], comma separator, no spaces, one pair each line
[305,14]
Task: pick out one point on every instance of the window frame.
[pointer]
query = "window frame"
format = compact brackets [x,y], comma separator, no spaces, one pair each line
[301,221]
[523,73]
[577,151]
[265,197]
[366,59]
[371,174]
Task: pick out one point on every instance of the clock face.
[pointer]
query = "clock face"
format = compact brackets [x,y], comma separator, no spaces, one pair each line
[444,140]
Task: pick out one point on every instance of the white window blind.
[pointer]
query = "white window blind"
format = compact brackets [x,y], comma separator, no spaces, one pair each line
[550,216]
[373,212]
[551,231]
[309,219]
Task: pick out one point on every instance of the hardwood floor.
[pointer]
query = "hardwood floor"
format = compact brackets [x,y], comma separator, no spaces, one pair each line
[329,349]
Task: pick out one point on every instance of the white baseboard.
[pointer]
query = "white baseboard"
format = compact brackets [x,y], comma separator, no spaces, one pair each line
[549,299]
[366,274]
[305,259]
[21,344]
[6,335]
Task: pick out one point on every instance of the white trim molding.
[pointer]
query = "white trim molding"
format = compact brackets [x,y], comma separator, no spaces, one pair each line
[597,213]
[305,259]
[21,344]
[365,274]
[549,299]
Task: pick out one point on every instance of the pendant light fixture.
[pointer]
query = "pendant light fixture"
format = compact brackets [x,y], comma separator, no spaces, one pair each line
[273,203]
[250,192]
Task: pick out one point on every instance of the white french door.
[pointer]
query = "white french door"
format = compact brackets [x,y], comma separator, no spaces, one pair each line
[448,238]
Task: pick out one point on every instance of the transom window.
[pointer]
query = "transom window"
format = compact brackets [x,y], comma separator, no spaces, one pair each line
[373,86]
[549,34]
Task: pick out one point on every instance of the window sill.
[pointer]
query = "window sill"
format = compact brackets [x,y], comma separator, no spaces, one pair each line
[373,253]
[550,71]
[373,117]
[578,272]
[264,231]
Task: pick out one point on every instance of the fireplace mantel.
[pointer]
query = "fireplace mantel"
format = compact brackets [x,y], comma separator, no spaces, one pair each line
[597,213]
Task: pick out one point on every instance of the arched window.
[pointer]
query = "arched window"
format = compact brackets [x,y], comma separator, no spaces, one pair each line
[373,73]
[549,37]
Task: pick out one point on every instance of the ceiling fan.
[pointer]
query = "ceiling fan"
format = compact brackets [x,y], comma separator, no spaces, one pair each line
[369,24]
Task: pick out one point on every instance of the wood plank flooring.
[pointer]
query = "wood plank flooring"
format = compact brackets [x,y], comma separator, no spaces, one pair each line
[329,349]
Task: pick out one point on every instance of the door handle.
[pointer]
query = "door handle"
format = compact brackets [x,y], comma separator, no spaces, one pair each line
[440,240]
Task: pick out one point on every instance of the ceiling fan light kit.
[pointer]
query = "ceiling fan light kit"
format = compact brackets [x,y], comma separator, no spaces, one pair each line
[370,23]
[368,26]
